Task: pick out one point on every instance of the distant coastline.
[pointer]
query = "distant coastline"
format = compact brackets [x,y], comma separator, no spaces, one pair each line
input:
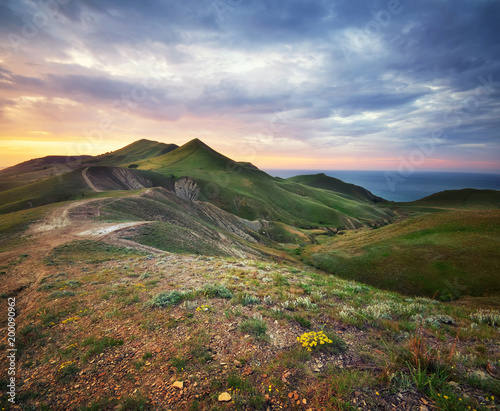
[413,187]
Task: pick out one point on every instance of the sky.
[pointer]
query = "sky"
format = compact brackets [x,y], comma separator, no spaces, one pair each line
[402,85]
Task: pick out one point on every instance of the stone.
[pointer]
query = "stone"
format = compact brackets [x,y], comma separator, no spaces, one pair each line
[238,364]
[178,384]
[224,397]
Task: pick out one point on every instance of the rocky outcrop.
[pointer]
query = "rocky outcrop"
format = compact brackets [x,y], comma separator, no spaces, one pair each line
[187,189]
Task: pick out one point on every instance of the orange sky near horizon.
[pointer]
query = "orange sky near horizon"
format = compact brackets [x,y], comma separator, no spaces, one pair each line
[15,151]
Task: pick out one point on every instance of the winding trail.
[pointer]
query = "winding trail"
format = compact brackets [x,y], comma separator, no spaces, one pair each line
[69,222]
[87,180]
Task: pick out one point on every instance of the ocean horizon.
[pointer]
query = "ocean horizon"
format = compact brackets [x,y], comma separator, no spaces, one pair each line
[394,186]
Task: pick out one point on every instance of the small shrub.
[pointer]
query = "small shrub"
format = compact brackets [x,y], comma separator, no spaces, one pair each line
[178,363]
[166,298]
[250,299]
[304,322]
[280,280]
[98,346]
[267,300]
[356,288]
[67,371]
[217,291]
[490,317]
[61,294]
[255,327]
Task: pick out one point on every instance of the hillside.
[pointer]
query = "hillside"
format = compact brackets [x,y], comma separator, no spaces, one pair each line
[450,253]
[39,169]
[466,198]
[137,151]
[40,165]
[81,183]
[252,194]
[238,188]
[337,186]
[104,325]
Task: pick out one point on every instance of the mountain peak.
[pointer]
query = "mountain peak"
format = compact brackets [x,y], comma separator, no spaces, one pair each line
[196,142]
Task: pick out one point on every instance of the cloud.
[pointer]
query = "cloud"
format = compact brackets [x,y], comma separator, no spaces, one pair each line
[333,74]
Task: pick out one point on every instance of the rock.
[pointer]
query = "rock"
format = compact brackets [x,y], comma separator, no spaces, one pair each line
[238,364]
[247,371]
[224,397]
[493,370]
[178,384]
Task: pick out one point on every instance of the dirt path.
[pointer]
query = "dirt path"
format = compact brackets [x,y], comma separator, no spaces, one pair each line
[89,183]
[73,221]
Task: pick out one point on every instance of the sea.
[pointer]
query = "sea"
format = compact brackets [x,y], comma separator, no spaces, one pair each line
[394,186]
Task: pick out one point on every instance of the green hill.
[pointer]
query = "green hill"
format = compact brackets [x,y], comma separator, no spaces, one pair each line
[42,165]
[68,186]
[449,253]
[250,193]
[467,198]
[72,186]
[139,150]
[38,169]
[337,186]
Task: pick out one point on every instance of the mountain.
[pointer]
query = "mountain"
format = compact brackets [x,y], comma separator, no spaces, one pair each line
[137,151]
[248,192]
[84,182]
[337,186]
[468,197]
[35,170]
[43,163]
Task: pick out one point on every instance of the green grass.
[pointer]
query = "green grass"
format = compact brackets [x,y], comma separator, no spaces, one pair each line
[99,345]
[87,251]
[67,373]
[217,291]
[14,224]
[337,186]
[449,253]
[252,194]
[69,186]
[254,327]
[179,240]
[466,198]
[166,298]
[138,150]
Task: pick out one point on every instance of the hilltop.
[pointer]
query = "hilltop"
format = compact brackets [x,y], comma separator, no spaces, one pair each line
[161,277]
